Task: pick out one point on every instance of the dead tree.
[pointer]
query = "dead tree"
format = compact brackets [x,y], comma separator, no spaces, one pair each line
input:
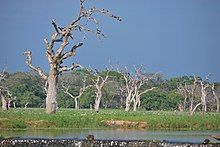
[99,83]
[129,89]
[62,36]
[183,90]
[192,93]
[216,96]
[140,78]
[7,98]
[81,91]
[204,85]
[133,86]
[137,97]
[189,94]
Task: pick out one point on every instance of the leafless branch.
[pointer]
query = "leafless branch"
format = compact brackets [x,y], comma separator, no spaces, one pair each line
[147,90]
[65,68]
[72,52]
[28,55]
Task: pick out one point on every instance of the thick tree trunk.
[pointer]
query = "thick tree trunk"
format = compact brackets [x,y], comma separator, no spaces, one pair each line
[98,100]
[4,103]
[51,103]
[135,106]
[204,105]
[137,102]
[127,107]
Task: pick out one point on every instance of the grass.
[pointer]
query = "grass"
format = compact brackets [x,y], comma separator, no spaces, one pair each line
[70,118]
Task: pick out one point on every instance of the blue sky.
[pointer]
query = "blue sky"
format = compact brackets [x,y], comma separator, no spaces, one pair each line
[173,37]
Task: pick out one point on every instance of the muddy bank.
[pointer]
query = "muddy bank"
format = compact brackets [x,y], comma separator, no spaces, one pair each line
[91,142]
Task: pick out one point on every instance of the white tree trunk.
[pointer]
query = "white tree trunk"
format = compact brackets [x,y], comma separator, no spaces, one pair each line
[76,103]
[135,105]
[14,104]
[98,100]
[51,103]
[218,105]
[203,100]
[128,101]
[4,103]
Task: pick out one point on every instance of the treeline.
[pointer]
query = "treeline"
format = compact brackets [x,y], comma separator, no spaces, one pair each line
[79,89]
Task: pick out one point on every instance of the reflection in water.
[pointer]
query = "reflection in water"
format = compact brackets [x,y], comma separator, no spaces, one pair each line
[176,136]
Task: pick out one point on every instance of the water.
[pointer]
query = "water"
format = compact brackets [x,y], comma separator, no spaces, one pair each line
[115,134]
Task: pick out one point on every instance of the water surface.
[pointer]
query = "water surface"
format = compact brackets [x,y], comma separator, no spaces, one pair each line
[118,134]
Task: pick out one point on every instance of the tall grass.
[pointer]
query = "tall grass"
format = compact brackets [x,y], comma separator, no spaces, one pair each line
[69,118]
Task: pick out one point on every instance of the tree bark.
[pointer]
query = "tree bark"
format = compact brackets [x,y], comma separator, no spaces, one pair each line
[128,101]
[99,83]
[51,103]
[76,103]
[98,100]
[203,96]
[4,103]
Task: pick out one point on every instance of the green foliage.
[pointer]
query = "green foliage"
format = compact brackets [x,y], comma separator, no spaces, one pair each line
[26,87]
[31,99]
[156,100]
[65,101]
[87,99]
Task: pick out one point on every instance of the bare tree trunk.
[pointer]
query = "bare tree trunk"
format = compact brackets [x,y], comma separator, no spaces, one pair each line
[98,100]
[76,103]
[203,96]
[217,104]
[127,106]
[4,103]
[135,106]
[14,105]
[51,103]
[128,101]
[99,84]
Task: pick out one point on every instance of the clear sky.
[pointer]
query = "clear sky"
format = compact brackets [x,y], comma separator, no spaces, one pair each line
[173,37]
